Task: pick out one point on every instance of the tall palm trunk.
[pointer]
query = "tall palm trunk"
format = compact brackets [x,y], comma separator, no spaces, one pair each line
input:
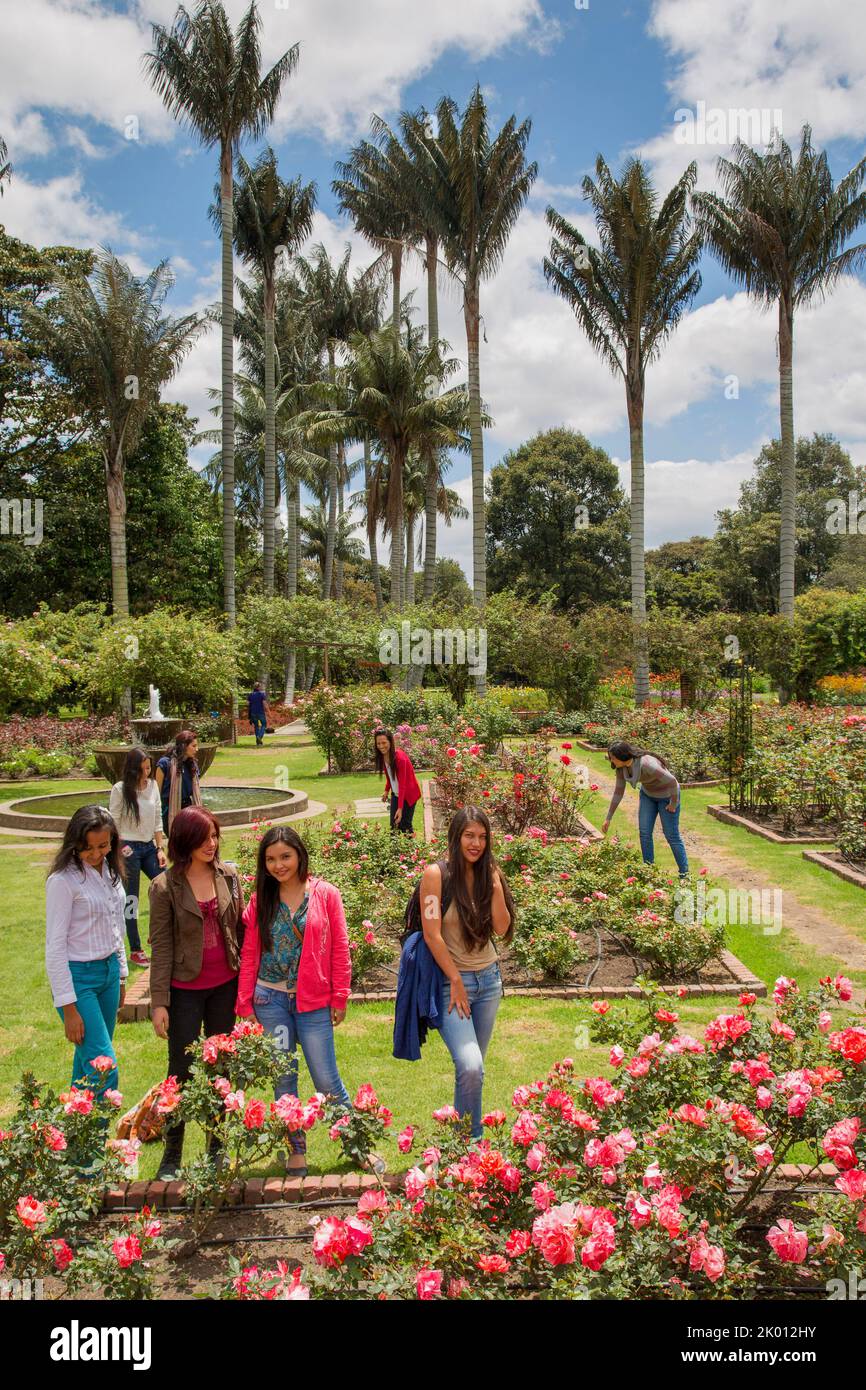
[409,581]
[788,527]
[634,402]
[371,530]
[116,493]
[396,274]
[471,317]
[431,484]
[332,493]
[397,563]
[338,565]
[228,398]
[270,479]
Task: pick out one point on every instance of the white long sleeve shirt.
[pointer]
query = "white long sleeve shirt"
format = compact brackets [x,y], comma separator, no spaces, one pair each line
[84,920]
[149,812]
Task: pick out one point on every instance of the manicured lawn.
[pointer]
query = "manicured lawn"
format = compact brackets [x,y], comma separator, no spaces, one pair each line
[530,1033]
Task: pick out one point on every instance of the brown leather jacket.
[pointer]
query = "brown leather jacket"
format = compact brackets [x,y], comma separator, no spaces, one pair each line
[176,928]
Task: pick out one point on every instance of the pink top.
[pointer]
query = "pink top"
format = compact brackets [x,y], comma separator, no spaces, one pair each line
[325,967]
[215,968]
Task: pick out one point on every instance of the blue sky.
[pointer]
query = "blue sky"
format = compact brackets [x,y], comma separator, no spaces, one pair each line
[606,79]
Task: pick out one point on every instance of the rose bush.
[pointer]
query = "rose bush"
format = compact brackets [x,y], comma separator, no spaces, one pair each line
[647,1185]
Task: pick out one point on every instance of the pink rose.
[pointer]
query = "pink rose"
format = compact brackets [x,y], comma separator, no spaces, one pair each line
[788,1243]
[254,1114]
[428,1283]
[127,1249]
[30,1212]
[405,1139]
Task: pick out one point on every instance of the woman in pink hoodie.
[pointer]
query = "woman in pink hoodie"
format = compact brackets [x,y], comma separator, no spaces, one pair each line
[296,972]
[401,784]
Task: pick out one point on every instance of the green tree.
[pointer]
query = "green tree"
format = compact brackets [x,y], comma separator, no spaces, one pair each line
[109,341]
[628,297]
[557,520]
[780,228]
[210,78]
[680,574]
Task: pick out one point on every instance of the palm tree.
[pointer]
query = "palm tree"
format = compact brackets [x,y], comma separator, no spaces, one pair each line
[271,217]
[109,340]
[314,529]
[780,230]
[5,166]
[372,188]
[628,298]
[330,309]
[478,188]
[387,400]
[210,78]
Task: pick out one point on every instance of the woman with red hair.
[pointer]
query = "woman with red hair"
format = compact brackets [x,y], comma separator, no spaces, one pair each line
[196,934]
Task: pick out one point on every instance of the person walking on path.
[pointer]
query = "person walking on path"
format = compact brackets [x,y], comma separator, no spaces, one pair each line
[258,712]
[462,942]
[196,910]
[401,784]
[659,798]
[136,811]
[296,970]
[177,776]
[85,954]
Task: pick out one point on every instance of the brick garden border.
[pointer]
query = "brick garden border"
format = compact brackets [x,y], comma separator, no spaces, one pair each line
[256,1192]
[729,817]
[837,865]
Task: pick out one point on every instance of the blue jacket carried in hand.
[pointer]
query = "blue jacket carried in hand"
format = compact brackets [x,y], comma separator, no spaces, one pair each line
[419,996]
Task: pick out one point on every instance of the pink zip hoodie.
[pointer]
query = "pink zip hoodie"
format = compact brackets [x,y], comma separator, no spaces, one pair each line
[325,968]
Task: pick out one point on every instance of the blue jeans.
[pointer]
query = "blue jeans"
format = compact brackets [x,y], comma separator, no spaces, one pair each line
[406,815]
[259,724]
[278,1014]
[97,990]
[143,857]
[648,808]
[467,1038]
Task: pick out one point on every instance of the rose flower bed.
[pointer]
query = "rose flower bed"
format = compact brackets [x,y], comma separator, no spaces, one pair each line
[660,1183]
[574,901]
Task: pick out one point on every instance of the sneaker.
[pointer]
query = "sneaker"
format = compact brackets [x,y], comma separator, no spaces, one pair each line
[139,958]
[168,1171]
[374,1163]
[295,1164]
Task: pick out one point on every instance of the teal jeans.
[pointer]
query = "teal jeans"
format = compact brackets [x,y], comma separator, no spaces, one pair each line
[97,989]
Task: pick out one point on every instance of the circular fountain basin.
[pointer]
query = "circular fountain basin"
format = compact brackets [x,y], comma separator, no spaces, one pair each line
[230,805]
[111,757]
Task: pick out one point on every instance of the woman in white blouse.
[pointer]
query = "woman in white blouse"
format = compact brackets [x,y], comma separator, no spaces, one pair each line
[84,948]
[137,812]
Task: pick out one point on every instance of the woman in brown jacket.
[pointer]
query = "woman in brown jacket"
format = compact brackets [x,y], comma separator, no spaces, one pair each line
[195,935]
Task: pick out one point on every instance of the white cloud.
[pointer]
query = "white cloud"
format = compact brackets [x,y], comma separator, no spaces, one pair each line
[79,140]
[61,213]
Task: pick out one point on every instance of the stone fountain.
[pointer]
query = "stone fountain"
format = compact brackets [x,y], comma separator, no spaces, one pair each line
[154,733]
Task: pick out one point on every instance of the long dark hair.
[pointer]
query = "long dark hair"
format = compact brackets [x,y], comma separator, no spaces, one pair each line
[475,908]
[392,754]
[131,774]
[267,887]
[85,819]
[623,750]
[181,743]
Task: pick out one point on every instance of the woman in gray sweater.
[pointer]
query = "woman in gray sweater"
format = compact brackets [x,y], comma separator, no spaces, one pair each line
[659,796]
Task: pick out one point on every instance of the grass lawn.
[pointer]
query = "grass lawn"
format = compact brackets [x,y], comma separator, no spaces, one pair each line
[530,1033]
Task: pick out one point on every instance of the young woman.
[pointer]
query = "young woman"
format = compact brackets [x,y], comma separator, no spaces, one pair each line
[481,911]
[135,809]
[296,970]
[401,784]
[196,910]
[177,777]
[659,796]
[258,712]
[84,947]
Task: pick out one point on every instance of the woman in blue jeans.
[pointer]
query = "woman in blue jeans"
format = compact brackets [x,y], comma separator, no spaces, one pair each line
[296,970]
[84,948]
[480,911]
[136,811]
[659,798]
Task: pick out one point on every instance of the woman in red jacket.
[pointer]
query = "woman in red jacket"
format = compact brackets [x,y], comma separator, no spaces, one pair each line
[401,784]
[296,969]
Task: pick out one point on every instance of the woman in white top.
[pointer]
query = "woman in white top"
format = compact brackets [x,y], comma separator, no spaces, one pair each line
[136,811]
[84,950]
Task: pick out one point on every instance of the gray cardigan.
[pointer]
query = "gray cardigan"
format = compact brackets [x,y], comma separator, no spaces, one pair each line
[648,773]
